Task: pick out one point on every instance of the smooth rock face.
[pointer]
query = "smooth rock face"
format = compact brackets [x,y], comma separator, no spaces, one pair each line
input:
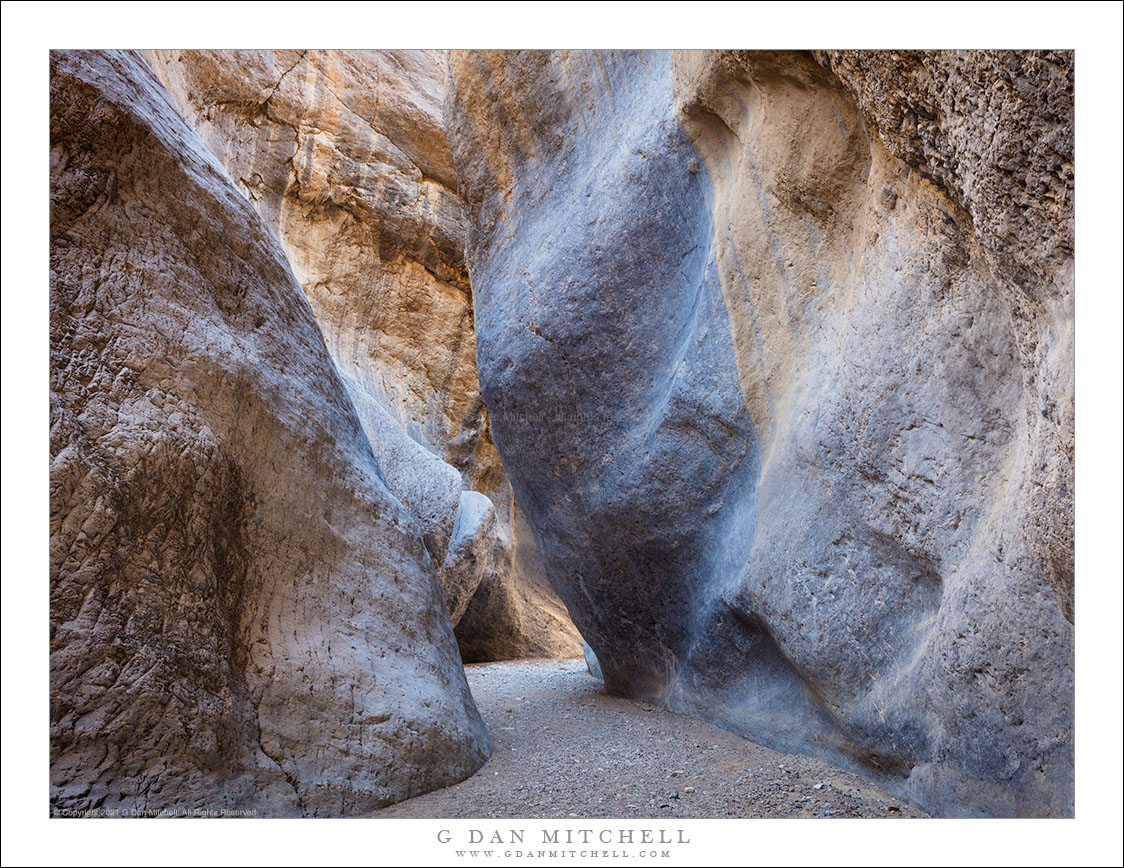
[473,539]
[242,615]
[779,362]
[345,157]
[591,663]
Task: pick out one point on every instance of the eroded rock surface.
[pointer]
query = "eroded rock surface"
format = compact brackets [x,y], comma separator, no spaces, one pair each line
[778,353]
[344,155]
[242,615]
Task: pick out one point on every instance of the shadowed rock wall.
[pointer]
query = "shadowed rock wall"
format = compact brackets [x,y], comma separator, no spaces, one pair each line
[777,349]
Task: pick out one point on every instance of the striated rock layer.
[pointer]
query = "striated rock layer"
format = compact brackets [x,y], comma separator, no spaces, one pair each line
[778,352]
[242,615]
[344,155]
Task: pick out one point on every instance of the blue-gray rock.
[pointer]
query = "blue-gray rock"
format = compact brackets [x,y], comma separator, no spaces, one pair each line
[471,543]
[779,361]
[591,662]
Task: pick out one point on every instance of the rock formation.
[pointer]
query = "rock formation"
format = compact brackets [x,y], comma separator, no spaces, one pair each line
[242,614]
[776,347]
[777,351]
[344,155]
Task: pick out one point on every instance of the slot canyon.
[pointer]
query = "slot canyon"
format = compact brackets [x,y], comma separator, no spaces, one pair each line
[748,376]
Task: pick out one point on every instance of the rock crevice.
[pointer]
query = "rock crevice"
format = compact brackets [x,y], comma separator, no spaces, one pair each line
[344,155]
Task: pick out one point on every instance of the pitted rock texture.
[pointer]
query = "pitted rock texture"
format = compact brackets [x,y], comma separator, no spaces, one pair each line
[344,155]
[242,615]
[777,349]
[994,130]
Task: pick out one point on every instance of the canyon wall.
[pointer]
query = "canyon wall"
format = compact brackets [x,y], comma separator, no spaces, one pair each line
[242,614]
[777,349]
[344,155]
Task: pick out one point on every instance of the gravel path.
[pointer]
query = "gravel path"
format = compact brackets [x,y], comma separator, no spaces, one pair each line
[564,748]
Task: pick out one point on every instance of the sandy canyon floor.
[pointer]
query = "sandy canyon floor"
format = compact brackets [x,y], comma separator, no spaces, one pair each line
[564,748]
